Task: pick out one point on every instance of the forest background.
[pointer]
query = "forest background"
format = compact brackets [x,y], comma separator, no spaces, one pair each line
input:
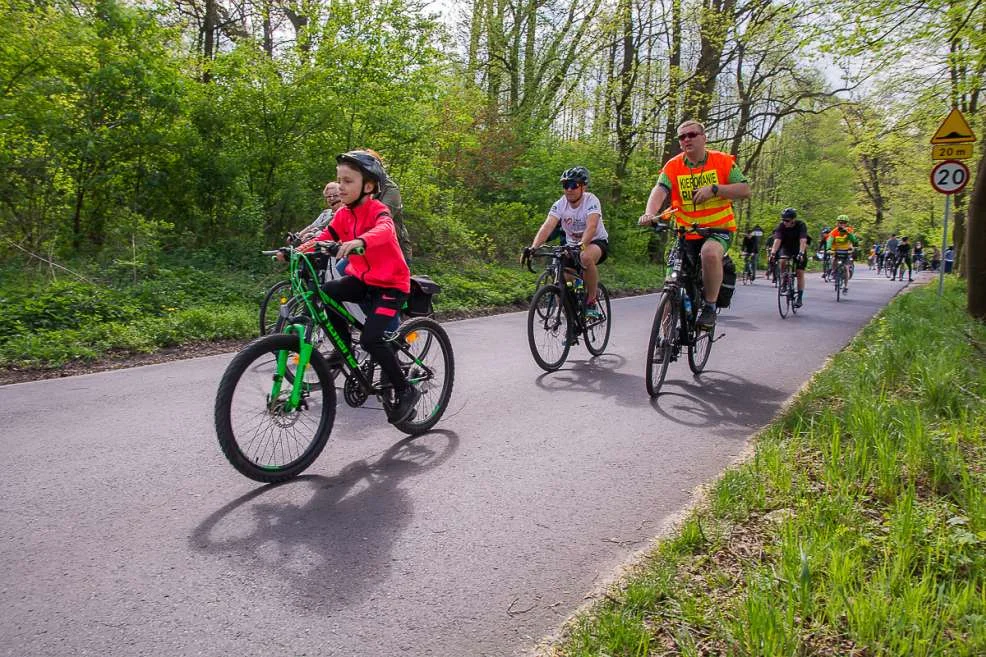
[151,149]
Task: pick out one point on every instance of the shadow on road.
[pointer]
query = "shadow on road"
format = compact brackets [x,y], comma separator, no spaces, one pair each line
[728,404]
[324,541]
[598,375]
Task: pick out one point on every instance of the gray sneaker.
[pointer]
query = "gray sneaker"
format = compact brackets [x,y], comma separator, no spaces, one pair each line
[706,318]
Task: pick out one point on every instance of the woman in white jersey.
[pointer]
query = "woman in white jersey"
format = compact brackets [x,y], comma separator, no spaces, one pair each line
[581,217]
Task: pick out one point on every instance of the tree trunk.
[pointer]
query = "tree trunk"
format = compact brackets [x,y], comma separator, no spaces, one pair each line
[716,21]
[625,128]
[209,38]
[976,246]
[671,146]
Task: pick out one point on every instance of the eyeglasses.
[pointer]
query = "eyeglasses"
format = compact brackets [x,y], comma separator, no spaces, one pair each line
[688,135]
[570,184]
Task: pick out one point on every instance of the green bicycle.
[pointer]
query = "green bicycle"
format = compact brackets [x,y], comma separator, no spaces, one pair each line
[276,402]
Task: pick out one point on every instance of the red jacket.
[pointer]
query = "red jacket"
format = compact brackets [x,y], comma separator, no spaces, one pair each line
[383,263]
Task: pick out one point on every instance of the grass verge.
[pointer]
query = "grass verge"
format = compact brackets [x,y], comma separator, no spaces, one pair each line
[858,526]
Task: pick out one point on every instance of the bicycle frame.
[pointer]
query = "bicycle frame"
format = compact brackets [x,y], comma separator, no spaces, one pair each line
[560,270]
[302,273]
[684,277]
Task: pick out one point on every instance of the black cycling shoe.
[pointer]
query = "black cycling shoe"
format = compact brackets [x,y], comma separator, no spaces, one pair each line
[404,411]
[707,318]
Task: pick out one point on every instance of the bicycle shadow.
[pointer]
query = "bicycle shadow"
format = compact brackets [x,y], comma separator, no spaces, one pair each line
[325,541]
[728,404]
[597,375]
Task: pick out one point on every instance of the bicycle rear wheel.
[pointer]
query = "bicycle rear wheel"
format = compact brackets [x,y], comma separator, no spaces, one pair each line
[261,439]
[425,355]
[663,342]
[270,307]
[597,330]
[548,328]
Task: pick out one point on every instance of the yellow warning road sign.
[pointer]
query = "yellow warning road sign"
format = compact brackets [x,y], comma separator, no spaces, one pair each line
[954,130]
[951,151]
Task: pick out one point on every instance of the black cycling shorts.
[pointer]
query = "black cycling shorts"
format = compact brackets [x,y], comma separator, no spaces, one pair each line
[800,263]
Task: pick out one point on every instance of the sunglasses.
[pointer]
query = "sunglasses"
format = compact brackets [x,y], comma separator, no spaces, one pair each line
[570,184]
[688,135]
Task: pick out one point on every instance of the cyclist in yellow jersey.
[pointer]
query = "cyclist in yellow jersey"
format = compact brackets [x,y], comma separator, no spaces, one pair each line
[842,238]
[701,184]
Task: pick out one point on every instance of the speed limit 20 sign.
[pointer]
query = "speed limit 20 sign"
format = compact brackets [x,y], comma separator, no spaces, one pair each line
[949,177]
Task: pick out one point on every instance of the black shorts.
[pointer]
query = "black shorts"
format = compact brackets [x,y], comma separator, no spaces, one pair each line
[800,264]
[604,247]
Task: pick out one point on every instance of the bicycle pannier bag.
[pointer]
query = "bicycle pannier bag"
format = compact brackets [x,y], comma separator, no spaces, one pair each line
[419,304]
[728,283]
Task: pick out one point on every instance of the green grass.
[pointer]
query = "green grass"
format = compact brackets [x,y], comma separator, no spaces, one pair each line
[46,324]
[858,526]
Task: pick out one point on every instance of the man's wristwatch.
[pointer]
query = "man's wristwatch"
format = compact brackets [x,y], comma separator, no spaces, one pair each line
[715,189]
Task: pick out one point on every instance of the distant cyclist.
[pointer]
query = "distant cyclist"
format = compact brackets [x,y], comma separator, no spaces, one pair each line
[823,239]
[580,215]
[841,240]
[904,258]
[791,241]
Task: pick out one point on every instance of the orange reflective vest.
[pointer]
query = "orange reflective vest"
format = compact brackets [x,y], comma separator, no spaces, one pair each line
[714,213]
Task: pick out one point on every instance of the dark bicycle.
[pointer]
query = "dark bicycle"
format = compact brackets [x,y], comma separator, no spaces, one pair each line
[270,421]
[787,291]
[891,262]
[840,272]
[557,314]
[677,310]
[749,268]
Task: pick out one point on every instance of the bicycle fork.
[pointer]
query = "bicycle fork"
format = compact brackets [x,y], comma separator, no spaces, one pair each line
[296,398]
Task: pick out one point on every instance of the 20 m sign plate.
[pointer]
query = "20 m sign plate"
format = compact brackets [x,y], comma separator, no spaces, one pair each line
[949,177]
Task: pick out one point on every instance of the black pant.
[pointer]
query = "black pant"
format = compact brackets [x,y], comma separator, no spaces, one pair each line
[905,260]
[383,305]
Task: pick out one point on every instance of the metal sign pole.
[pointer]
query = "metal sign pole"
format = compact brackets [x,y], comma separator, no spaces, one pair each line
[944,243]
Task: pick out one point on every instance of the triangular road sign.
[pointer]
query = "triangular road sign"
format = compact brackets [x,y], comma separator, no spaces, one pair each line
[954,130]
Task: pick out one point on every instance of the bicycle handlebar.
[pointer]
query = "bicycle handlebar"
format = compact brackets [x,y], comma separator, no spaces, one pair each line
[545,250]
[662,226]
[327,247]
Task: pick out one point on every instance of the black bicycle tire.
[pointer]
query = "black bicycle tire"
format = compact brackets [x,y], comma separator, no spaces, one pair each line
[603,304]
[838,282]
[223,412]
[265,327]
[782,299]
[533,316]
[696,364]
[654,387]
[437,336]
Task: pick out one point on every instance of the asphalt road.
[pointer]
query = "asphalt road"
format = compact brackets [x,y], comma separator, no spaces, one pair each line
[125,532]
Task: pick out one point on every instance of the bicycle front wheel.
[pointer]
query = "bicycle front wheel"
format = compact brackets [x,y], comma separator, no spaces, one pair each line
[699,350]
[597,330]
[425,354]
[663,342]
[838,283]
[783,300]
[548,328]
[259,436]
[270,307]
